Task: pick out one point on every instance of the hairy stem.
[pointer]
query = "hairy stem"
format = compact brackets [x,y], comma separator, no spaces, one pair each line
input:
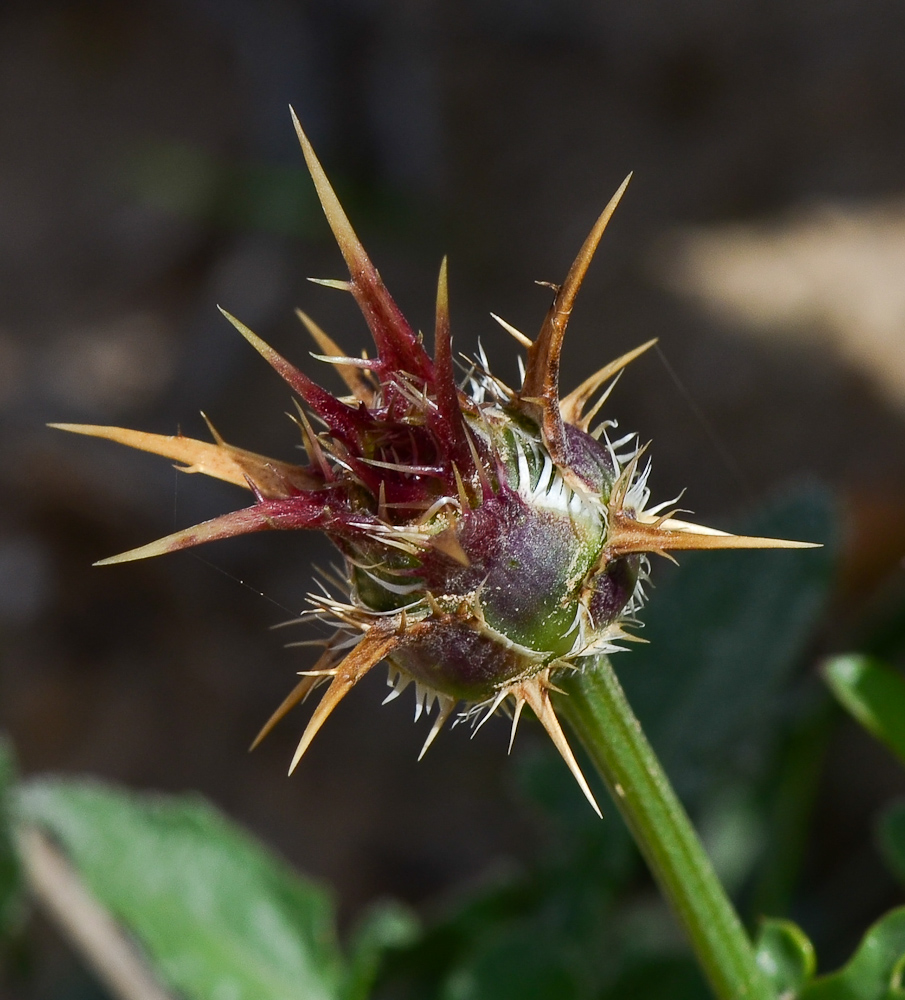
[598,712]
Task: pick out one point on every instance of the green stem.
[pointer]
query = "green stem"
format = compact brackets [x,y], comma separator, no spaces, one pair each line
[600,715]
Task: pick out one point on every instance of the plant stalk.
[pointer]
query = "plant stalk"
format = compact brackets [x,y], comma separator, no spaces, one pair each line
[598,712]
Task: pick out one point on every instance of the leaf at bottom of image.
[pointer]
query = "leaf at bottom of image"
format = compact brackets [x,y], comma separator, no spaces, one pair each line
[215,912]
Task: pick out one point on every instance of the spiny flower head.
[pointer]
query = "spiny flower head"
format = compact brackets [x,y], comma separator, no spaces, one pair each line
[491,538]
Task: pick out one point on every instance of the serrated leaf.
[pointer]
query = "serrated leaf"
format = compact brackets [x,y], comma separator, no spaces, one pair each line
[874,972]
[725,634]
[786,956]
[874,694]
[217,914]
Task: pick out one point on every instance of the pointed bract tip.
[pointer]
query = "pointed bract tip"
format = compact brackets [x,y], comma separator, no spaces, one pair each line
[338,283]
[354,381]
[572,406]
[443,286]
[295,697]
[263,516]
[628,534]
[540,389]
[160,547]
[517,335]
[289,372]
[370,651]
[349,244]
[445,706]
[219,460]
[441,327]
[340,418]
[516,715]
[536,692]
[396,342]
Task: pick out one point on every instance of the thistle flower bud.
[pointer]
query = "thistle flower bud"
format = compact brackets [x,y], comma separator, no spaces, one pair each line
[491,538]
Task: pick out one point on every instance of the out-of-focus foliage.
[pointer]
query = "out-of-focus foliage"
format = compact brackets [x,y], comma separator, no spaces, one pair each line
[874,972]
[891,835]
[385,925]
[786,955]
[10,878]
[216,913]
[874,694]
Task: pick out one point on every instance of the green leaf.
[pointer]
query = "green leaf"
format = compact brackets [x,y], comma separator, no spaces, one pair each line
[726,632]
[874,694]
[786,955]
[217,914]
[874,972]
[10,876]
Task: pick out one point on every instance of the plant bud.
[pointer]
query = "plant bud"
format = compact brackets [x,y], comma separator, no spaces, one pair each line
[491,538]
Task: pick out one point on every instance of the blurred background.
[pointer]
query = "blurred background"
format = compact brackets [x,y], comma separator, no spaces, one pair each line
[149,171]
